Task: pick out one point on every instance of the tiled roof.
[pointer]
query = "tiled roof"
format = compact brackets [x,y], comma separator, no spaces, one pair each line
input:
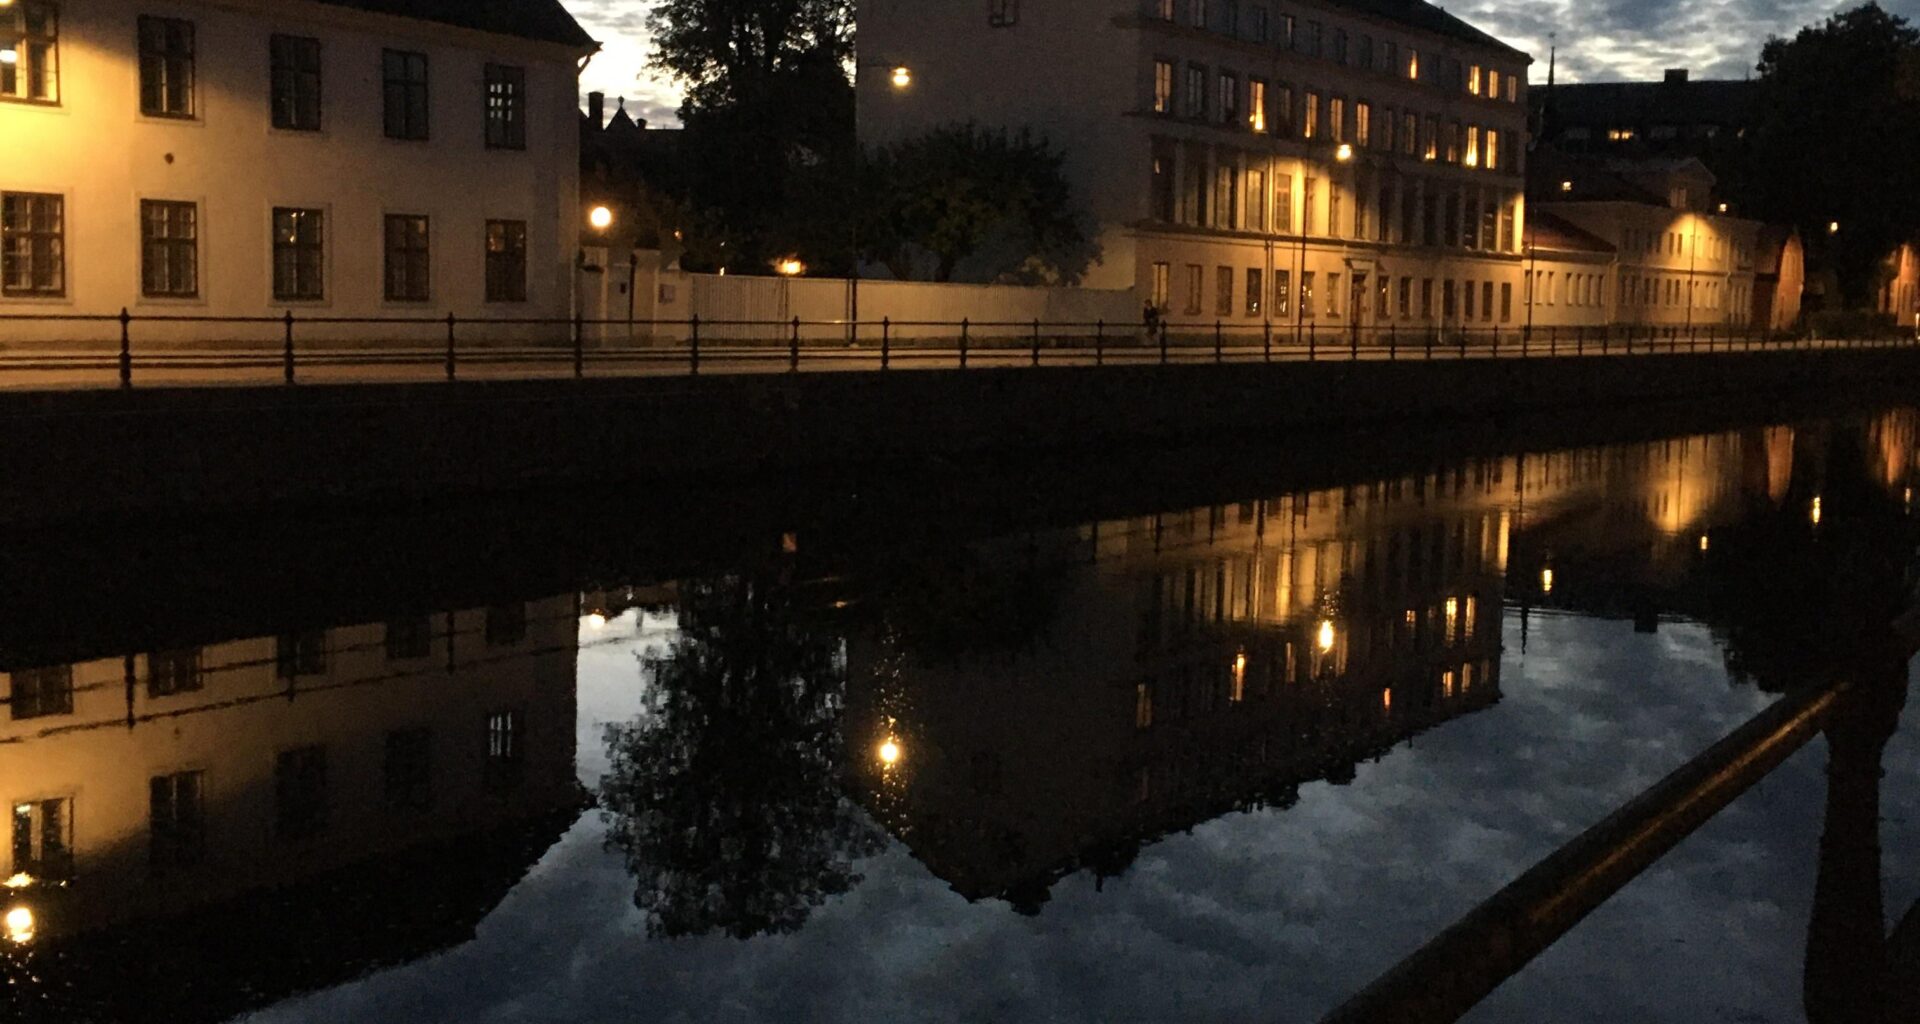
[1546,231]
[542,20]
[1427,17]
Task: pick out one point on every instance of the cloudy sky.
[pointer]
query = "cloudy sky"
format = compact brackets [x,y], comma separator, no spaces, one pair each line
[1599,40]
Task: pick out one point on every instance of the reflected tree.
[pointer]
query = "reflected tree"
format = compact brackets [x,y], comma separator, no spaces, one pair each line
[724,795]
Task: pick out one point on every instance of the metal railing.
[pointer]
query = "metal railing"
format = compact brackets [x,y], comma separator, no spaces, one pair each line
[107,350]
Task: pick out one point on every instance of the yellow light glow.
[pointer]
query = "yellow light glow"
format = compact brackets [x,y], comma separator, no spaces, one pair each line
[1546,581]
[1833,227]
[902,77]
[1344,153]
[1723,207]
[8,55]
[600,218]
[791,267]
[890,751]
[1566,186]
[1386,700]
[596,620]
[1325,636]
[20,926]
[21,880]
[1814,512]
[1703,542]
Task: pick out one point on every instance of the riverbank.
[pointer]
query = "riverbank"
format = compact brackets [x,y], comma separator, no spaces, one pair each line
[88,455]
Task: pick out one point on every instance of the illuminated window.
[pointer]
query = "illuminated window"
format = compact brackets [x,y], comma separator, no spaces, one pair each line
[1162,285]
[33,244]
[171,672]
[1310,128]
[1413,64]
[300,793]
[43,838]
[1257,104]
[299,264]
[1473,79]
[166,67]
[1282,293]
[295,85]
[1333,295]
[1162,87]
[404,94]
[1620,134]
[1226,195]
[1306,294]
[1256,291]
[169,249]
[506,261]
[1493,150]
[506,107]
[1283,201]
[407,769]
[505,749]
[407,262]
[39,692]
[1473,145]
[1363,124]
[1337,118]
[30,31]
[1003,13]
[176,820]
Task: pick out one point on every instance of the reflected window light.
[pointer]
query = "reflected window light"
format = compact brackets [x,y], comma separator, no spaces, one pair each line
[1386,700]
[1704,543]
[1467,627]
[21,880]
[1239,690]
[1546,581]
[1325,636]
[1452,617]
[20,926]
[1814,512]
[889,751]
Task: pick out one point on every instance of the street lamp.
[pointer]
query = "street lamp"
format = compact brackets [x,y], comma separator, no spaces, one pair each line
[790,266]
[1833,227]
[1344,153]
[600,218]
[902,76]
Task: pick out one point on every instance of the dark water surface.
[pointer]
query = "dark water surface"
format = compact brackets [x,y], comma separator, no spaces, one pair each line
[1149,760]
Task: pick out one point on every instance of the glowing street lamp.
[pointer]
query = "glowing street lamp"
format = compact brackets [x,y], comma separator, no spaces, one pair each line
[600,218]
[790,267]
[1344,153]
[20,925]
[1566,186]
[1833,227]
[889,752]
[902,76]
[1325,636]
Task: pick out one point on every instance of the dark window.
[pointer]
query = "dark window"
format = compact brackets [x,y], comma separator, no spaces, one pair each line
[166,67]
[409,638]
[301,654]
[38,692]
[296,83]
[506,624]
[169,249]
[506,107]
[505,749]
[171,672]
[506,261]
[300,793]
[1002,13]
[177,824]
[33,244]
[299,263]
[408,769]
[43,838]
[31,32]
[1161,187]
[405,77]
[407,262]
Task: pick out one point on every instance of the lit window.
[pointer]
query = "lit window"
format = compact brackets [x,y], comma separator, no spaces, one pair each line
[1413,64]
[43,838]
[1162,87]
[1162,285]
[1257,105]
[506,107]
[169,249]
[299,265]
[30,32]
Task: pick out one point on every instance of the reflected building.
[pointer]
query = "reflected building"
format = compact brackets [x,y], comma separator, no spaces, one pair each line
[243,820]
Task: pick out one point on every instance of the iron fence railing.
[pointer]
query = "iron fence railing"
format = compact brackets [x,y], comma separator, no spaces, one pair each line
[109,350]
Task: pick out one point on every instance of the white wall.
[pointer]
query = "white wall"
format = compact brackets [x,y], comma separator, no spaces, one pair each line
[98,151]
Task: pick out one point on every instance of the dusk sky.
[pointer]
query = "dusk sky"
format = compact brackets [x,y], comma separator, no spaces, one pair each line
[1599,40]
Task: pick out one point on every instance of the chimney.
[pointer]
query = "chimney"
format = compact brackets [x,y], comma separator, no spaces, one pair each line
[597,109]
[1676,76]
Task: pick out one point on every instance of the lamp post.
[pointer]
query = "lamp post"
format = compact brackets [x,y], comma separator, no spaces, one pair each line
[900,77]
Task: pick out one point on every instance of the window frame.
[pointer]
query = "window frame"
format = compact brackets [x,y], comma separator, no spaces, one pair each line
[412,259]
[511,257]
[390,80]
[157,96]
[53,251]
[285,78]
[315,248]
[24,41]
[175,250]
[506,120]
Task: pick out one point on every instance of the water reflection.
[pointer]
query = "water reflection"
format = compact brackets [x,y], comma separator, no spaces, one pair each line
[232,822]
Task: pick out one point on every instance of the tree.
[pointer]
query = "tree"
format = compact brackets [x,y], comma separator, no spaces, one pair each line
[730,52]
[963,202]
[724,795]
[1837,138]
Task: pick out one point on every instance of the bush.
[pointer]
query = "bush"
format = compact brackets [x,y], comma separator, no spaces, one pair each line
[1850,324]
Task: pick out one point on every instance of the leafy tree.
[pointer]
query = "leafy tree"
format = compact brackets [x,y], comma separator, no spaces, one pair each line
[961,202]
[1837,139]
[724,795]
[730,52]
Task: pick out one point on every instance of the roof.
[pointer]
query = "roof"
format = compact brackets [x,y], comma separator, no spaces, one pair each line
[1642,103]
[541,20]
[1427,17]
[1547,231]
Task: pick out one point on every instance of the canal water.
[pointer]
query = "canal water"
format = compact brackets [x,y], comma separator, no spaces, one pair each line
[1153,761]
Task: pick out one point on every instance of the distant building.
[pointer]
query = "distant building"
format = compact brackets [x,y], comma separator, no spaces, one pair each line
[1674,117]
[1341,163]
[332,157]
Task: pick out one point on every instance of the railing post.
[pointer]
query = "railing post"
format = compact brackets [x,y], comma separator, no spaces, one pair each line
[1313,341]
[1428,355]
[1353,340]
[1579,341]
[886,342]
[286,354]
[1393,341]
[793,346]
[1266,341]
[579,347]
[1219,344]
[693,347]
[1100,342]
[963,343]
[1553,339]
[450,364]
[1163,343]
[1496,342]
[1629,339]
[1693,340]
[126,348]
[1036,341]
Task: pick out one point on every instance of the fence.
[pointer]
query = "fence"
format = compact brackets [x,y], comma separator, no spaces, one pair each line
[125,349]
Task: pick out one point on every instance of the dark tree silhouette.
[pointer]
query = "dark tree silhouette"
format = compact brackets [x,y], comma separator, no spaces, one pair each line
[724,795]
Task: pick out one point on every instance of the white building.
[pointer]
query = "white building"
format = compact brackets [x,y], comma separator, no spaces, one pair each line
[1335,163]
[242,157]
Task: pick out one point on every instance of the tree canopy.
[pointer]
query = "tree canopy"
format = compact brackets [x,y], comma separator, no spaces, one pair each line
[1837,138]
[738,51]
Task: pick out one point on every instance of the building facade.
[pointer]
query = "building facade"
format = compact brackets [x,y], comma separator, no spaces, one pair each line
[1326,165]
[244,157]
